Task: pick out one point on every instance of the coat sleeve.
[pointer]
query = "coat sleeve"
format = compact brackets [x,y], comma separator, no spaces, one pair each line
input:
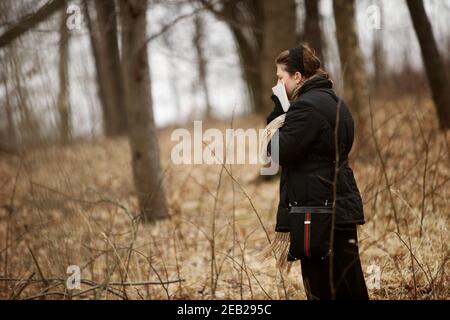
[300,129]
[277,110]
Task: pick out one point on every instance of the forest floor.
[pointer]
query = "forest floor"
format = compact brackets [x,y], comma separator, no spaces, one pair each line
[75,205]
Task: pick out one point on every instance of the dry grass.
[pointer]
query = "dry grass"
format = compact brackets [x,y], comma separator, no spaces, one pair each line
[74,205]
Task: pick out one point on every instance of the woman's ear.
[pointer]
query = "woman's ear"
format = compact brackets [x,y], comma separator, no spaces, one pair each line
[298,77]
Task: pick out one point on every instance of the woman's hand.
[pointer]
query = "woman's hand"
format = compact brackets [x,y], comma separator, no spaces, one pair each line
[277,110]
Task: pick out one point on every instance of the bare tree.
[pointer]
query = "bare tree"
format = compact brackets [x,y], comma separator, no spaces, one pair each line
[63,103]
[201,60]
[8,140]
[8,135]
[261,29]
[100,71]
[355,78]
[142,132]
[279,35]
[27,124]
[172,60]
[102,24]
[245,19]
[378,53]
[434,67]
[378,60]
[312,29]
[110,56]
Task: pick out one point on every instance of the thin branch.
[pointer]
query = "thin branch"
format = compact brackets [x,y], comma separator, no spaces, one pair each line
[29,21]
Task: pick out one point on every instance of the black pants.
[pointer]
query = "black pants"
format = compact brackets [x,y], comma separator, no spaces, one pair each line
[348,276]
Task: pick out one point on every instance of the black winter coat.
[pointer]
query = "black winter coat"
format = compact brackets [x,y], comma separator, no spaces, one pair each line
[307,154]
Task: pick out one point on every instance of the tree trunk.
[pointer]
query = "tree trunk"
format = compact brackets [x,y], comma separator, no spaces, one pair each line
[250,64]
[201,61]
[312,30]
[378,56]
[108,128]
[279,35]
[434,67]
[379,61]
[142,132]
[105,48]
[245,19]
[63,103]
[10,141]
[173,77]
[109,48]
[28,126]
[355,78]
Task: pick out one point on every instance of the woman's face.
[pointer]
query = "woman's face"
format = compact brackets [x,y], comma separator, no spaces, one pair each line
[290,81]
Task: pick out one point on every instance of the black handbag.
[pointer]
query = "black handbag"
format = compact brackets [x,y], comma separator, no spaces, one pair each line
[310,230]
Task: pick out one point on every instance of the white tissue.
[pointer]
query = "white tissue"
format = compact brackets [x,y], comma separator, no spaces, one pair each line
[280,92]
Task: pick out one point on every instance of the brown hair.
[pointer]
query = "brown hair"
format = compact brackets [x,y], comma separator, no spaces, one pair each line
[311,62]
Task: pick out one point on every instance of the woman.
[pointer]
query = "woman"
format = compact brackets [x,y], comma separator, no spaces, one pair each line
[307,156]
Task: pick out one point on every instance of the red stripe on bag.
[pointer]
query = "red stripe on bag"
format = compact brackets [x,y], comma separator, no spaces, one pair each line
[307,222]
